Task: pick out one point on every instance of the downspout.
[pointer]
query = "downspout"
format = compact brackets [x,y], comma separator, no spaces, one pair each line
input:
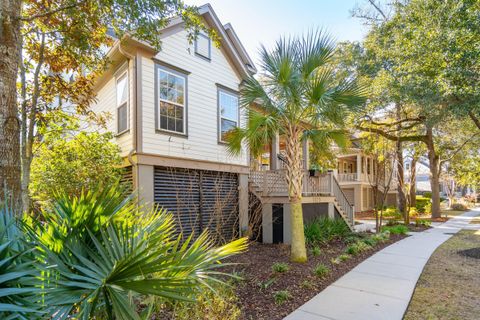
[134,114]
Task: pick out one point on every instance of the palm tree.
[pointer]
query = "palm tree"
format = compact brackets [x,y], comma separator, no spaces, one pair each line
[299,96]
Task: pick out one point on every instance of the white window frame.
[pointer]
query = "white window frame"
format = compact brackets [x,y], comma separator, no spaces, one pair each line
[159,99]
[209,57]
[237,121]
[126,103]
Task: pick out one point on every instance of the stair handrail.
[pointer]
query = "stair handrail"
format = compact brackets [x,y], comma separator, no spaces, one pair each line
[342,198]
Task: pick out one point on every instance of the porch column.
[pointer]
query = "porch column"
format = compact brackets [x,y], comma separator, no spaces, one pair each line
[359,167]
[305,155]
[275,149]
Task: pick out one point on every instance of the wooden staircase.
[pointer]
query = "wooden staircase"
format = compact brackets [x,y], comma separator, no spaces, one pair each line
[323,188]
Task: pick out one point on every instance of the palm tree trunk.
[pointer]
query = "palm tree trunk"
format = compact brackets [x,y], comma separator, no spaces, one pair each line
[10,43]
[294,178]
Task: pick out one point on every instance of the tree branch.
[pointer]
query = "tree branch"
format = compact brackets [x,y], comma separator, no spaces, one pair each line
[392,137]
[53,11]
[474,119]
[372,2]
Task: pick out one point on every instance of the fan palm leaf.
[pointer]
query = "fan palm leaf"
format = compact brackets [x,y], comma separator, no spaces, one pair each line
[298,95]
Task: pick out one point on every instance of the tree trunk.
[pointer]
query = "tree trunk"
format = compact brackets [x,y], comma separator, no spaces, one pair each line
[10,45]
[294,178]
[413,182]
[434,163]
[401,201]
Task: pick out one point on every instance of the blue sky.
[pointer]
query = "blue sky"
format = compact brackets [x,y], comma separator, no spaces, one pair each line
[263,21]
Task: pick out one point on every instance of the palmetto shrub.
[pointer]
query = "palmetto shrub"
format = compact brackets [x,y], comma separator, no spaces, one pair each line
[102,253]
[19,288]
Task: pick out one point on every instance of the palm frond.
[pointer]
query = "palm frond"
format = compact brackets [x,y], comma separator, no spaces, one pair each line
[20,291]
[103,267]
[314,51]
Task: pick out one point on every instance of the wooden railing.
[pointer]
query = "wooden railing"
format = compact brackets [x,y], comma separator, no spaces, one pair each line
[342,200]
[347,177]
[273,183]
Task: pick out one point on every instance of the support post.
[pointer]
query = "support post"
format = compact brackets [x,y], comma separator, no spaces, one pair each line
[331,210]
[267,223]
[243,205]
[287,227]
[144,182]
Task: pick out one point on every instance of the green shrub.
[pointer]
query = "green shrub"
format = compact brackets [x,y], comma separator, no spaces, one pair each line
[357,247]
[422,222]
[281,296]
[280,267]
[316,251]
[423,205]
[106,250]
[370,241]
[321,270]
[343,257]
[459,207]
[398,229]
[427,194]
[382,236]
[322,230]
[219,304]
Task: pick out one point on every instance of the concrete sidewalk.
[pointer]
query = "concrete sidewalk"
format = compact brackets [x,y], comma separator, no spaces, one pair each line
[381,286]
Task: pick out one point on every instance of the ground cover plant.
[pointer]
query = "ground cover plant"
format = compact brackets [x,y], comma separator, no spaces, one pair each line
[96,255]
[323,230]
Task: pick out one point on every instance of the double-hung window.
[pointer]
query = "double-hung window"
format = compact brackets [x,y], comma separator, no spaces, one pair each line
[122,102]
[228,112]
[172,105]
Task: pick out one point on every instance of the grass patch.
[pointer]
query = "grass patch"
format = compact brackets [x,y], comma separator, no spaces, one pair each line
[449,286]
[321,270]
[316,251]
[281,296]
[323,230]
[280,267]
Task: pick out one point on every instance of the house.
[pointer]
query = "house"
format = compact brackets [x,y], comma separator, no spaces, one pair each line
[170,111]
[356,175]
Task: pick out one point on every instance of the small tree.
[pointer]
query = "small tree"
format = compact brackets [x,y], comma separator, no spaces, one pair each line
[299,96]
[72,163]
[384,169]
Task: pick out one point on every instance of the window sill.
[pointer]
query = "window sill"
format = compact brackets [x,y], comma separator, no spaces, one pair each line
[119,134]
[203,57]
[171,133]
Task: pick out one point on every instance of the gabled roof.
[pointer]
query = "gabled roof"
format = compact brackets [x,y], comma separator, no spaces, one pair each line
[228,39]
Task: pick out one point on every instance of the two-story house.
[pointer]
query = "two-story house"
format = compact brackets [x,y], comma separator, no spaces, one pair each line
[170,110]
[356,175]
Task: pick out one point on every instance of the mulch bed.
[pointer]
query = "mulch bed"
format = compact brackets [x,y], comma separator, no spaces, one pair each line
[300,281]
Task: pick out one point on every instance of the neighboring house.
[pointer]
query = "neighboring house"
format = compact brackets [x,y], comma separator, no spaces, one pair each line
[356,174]
[170,112]
[422,175]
